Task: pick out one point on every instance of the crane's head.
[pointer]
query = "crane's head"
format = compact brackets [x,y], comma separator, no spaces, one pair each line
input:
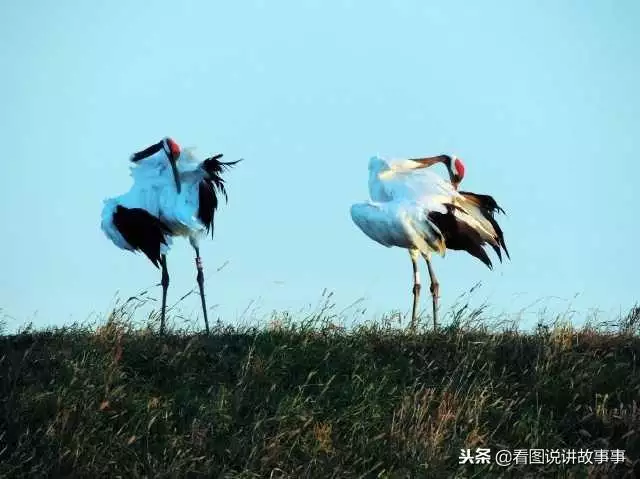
[454,165]
[170,148]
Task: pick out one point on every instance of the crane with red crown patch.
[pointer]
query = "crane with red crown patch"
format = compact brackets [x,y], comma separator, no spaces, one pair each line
[173,194]
[413,208]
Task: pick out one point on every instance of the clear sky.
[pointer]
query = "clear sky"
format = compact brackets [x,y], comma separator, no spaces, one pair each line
[539,98]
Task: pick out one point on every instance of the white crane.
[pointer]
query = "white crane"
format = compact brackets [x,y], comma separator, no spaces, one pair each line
[173,195]
[411,207]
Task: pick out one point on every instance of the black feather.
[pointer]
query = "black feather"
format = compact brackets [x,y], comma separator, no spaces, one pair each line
[209,187]
[485,201]
[460,236]
[207,204]
[142,231]
[147,152]
[488,207]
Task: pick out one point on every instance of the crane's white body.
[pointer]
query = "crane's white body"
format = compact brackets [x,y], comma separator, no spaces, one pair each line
[402,197]
[154,191]
[398,223]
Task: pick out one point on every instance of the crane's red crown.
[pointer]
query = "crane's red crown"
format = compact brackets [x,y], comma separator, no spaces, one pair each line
[173,147]
[458,167]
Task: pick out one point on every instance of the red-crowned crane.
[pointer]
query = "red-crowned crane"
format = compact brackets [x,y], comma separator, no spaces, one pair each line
[172,195]
[411,207]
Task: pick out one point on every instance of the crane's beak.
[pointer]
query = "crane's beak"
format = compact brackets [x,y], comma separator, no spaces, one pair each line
[174,168]
[428,161]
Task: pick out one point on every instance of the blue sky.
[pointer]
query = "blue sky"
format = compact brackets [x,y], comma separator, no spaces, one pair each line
[540,99]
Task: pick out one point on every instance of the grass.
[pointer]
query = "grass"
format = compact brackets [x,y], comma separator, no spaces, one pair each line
[312,399]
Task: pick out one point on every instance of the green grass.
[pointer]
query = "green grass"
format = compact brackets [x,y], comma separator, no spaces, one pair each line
[311,399]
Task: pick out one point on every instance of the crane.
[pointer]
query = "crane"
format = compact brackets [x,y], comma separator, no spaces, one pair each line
[173,194]
[413,208]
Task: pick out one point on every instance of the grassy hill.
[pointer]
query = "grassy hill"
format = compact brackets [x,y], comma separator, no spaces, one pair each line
[314,400]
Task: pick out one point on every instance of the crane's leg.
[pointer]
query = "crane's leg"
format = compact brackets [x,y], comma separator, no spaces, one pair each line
[200,279]
[416,286]
[165,286]
[435,290]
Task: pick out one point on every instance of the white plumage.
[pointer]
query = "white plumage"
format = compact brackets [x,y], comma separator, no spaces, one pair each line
[402,195]
[401,223]
[407,179]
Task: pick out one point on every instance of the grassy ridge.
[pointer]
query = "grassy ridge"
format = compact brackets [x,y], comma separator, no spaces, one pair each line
[313,401]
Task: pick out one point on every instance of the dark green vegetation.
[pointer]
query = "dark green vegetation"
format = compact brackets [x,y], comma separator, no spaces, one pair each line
[313,400]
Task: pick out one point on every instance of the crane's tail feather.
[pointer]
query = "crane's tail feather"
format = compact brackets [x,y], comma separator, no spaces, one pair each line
[483,208]
[460,235]
[215,168]
[484,201]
